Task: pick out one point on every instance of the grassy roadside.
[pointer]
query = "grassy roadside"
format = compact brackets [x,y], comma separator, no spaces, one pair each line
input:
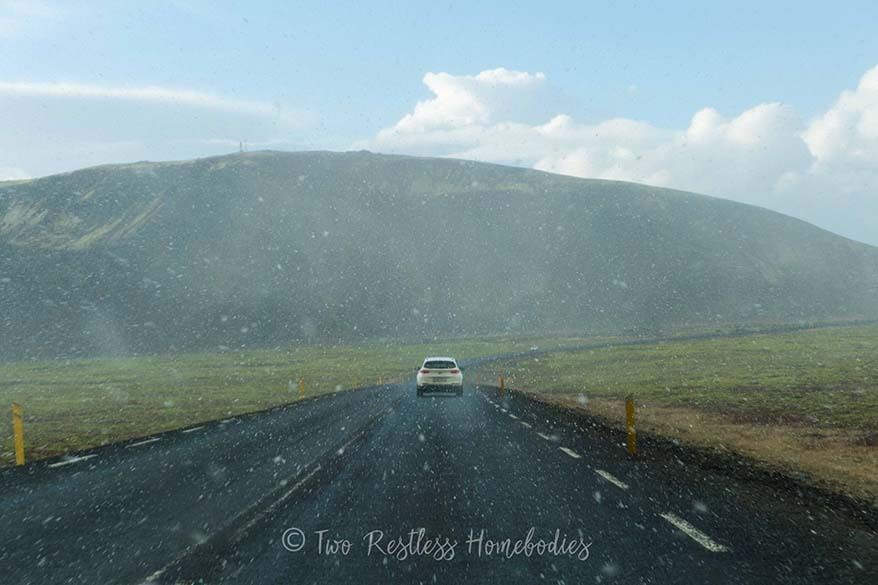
[76,404]
[804,401]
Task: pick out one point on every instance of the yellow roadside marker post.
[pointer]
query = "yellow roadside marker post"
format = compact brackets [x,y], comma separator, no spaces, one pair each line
[502,386]
[18,434]
[301,388]
[629,425]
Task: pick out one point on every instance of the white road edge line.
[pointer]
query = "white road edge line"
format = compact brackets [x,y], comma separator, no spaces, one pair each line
[610,478]
[571,452]
[252,522]
[546,437]
[146,442]
[693,533]
[344,447]
[192,430]
[69,461]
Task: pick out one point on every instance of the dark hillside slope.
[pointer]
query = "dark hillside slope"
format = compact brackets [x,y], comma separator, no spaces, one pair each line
[269,247]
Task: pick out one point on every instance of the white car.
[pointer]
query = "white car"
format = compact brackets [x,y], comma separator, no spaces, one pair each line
[439,374]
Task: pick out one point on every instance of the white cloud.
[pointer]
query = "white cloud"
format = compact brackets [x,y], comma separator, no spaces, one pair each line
[19,16]
[825,171]
[736,158]
[153,94]
[848,132]
[52,127]
[27,18]
[13,174]
[461,101]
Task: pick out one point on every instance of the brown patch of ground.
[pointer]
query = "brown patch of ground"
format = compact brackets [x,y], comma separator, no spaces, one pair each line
[757,418]
[841,460]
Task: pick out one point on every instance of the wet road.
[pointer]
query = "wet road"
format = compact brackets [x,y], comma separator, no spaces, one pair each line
[379,486]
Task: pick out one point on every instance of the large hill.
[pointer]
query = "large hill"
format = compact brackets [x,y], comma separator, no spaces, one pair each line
[270,247]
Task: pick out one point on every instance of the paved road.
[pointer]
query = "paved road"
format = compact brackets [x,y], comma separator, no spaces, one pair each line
[374,467]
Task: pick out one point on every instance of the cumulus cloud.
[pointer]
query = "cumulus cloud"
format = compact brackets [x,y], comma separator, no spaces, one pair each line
[464,100]
[737,158]
[848,132]
[824,171]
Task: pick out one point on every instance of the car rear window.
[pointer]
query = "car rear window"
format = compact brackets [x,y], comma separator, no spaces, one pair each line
[440,365]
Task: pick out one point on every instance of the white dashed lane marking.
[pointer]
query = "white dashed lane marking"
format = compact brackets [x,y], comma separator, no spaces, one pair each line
[618,483]
[571,452]
[146,442]
[69,461]
[192,430]
[693,533]
[671,518]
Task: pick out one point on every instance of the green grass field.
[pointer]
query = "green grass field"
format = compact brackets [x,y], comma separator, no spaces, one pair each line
[75,404]
[826,377]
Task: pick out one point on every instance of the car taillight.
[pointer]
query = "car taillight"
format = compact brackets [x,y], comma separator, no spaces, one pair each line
[455,371]
[425,371]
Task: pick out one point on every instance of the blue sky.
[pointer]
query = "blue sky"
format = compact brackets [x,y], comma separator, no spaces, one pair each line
[298,75]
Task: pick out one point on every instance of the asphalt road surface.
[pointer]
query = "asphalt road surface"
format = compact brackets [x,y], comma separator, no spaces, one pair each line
[379,486]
